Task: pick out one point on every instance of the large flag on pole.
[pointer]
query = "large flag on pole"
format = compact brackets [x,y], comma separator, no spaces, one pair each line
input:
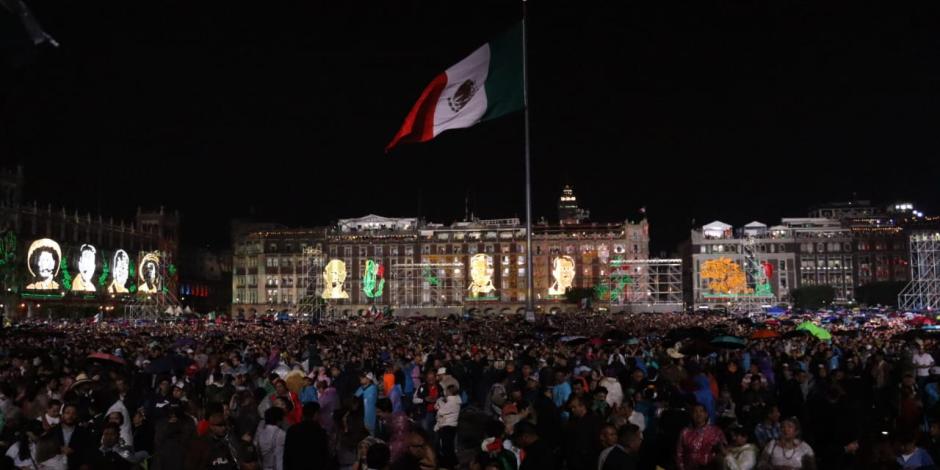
[485,85]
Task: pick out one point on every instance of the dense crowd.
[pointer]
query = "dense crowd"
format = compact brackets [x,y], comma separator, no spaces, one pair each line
[599,392]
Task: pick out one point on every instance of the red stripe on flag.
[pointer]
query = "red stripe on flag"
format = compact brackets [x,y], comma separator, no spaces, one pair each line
[419,123]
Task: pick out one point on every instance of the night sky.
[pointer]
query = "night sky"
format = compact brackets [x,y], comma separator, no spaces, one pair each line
[696,110]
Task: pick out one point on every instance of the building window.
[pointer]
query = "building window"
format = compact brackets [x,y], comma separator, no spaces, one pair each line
[363,252]
[378,251]
[347,251]
[472,249]
[409,250]
[393,250]
[489,248]
[332,251]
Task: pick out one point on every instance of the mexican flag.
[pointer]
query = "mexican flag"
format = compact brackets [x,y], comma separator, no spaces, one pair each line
[485,85]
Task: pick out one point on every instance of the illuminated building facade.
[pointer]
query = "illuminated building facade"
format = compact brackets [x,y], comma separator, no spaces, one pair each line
[467,263]
[66,261]
[853,245]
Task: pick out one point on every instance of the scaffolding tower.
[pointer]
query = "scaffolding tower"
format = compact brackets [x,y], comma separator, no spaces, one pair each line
[154,306]
[923,292]
[432,283]
[758,284]
[644,282]
[311,304]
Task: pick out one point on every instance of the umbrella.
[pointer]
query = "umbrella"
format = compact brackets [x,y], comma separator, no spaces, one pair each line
[765,334]
[697,347]
[616,335]
[184,342]
[104,357]
[574,340]
[815,330]
[795,334]
[314,337]
[729,342]
[845,332]
[695,332]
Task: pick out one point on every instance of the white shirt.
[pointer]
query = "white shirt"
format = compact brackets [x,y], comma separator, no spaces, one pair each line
[638,419]
[448,411]
[614,391]
[269,440]
[14,451]
[780,457]
[741,458]
[924,362]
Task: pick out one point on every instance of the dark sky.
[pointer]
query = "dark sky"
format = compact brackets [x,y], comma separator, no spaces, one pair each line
[696,110]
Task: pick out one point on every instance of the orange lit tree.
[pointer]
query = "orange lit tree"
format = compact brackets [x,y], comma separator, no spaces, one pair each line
[724,276]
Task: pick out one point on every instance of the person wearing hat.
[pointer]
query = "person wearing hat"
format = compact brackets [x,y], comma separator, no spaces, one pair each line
[446,380]
[369,393]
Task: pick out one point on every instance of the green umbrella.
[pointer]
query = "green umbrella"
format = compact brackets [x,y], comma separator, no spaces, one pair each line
[815,330]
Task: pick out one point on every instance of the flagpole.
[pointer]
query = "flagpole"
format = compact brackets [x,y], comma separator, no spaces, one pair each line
[529,297]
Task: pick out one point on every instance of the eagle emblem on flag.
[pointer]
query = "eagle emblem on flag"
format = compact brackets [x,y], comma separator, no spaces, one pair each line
[462,96]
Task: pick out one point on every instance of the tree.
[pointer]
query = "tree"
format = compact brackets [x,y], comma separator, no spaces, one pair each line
[879,293]
[724,276]
[812,297]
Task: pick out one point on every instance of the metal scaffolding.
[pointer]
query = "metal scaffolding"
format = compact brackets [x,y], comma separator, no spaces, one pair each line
[160,304]
[644,282]
[431,283]
[311,304]
[923,292]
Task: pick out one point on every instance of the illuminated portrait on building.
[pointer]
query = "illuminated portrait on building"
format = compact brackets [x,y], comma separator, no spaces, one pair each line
[43,260]
[562,274]
[84,281]
[334,278]
[120,269]
[149,274]
[373,279]
[481,275]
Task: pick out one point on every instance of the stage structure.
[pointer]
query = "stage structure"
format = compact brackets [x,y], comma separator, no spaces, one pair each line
[439,281]
[155,296]
[923,292]
[312,303]
[642,285]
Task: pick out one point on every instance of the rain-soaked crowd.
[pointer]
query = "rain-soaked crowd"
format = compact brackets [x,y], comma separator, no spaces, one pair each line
[598,392]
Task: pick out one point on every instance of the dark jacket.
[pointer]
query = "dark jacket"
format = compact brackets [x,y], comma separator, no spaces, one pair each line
[539,456]
[306,447]
[82,442]
[617,459]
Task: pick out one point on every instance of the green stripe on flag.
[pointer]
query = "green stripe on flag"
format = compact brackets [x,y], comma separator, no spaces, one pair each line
[504,92]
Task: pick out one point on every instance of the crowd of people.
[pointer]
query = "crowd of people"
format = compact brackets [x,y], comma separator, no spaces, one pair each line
[629,391]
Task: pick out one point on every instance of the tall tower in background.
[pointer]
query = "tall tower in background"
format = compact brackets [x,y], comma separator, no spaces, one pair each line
[568,211]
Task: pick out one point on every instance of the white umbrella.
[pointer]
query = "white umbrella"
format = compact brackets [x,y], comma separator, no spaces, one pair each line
[187,310]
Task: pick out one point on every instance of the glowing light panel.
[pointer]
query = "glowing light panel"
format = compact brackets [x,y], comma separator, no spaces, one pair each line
[43,260]
[334,275]
[563,274]
[149,274]
[85,279]
[481,275]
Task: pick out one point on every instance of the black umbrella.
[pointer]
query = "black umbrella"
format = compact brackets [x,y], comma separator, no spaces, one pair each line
[697,347]
[616,335]
[796,334]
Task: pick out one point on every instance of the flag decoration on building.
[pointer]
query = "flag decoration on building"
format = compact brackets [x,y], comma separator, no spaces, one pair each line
[485,85]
